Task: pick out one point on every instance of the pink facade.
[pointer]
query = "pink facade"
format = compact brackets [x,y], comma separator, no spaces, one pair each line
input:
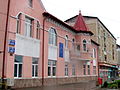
[67,52]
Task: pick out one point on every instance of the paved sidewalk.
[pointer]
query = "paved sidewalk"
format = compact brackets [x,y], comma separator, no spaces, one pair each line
[78,86]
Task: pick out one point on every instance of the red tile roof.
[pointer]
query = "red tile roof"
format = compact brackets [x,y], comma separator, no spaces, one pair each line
[80,23]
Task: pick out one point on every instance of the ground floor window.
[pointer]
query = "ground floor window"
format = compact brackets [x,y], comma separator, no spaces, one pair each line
[51,68]
[35,67]
[88,69]
[94,70]
[73,69]
[66,70]
[84,69]
[18,66]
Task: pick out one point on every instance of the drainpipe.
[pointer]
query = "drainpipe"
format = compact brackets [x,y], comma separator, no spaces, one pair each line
[4,49]
[43,50]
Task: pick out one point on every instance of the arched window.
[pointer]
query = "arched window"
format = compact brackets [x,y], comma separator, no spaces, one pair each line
[84,45]
[18,23]
[66,41]
[38,30]
[52,36]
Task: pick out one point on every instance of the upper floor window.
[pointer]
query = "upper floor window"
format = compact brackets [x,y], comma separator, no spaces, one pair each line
[28,27]
[94,53]
[84,45]
[30,3]
[52,36]
[18,24]
[113,52]
[38,30]
[66,41]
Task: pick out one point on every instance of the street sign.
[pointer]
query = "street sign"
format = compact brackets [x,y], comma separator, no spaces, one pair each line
[11,49]
[11,42]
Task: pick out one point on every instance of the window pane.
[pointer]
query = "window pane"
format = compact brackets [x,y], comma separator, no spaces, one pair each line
[36,71]
[18,58]
[35,60]
[54,71]
[33,70]
[28,27]
[84,69]
[49,71]
[15,70]
[52,37]
[20,70]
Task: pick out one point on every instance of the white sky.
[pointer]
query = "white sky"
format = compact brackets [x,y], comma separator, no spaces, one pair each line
[106,10]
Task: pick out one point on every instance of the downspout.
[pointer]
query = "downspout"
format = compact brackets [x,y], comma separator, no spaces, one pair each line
[43,50]
[5,41]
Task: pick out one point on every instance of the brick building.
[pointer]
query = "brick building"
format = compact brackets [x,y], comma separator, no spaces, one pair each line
[107,46]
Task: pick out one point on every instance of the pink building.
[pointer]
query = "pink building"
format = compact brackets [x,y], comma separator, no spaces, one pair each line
[41,49]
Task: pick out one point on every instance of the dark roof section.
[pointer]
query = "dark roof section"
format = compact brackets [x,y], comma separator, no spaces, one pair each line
[46,14]
[118,46]
[94,18]
[95,42]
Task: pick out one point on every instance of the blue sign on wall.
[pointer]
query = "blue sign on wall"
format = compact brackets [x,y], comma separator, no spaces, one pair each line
[61,50]
[11,49]
[12,42]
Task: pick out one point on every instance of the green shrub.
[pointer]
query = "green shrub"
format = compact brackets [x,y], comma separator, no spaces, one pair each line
[118,82]
[114,86]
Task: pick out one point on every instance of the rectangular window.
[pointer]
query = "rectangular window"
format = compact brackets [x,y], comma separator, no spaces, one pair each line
[84,69]
[94,53]
[73,70]
[94,70]
[35,67]
[18,66]
[66,70]
[51,68]
[30,2]
[28,27]
[88,69]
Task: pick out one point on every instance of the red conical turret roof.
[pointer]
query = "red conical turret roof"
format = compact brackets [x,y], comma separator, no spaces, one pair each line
[80,23]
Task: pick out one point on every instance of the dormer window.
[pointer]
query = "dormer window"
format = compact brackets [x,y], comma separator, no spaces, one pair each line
[30,2]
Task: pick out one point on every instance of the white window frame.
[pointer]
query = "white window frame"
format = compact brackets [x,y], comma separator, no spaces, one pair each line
[66,41]
[35,65]
[52,37]
[51,67]
[28,27]
[18,70]
[30,3]
[66,70]
[18,64]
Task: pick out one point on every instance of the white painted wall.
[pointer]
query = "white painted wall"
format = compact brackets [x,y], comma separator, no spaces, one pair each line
[27,46]
[66,55]
[52,52]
